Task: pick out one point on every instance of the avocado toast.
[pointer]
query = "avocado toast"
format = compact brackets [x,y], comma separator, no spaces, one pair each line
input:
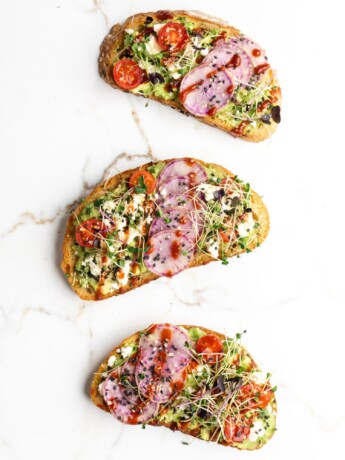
[201,66]
[190,379]
[158,220]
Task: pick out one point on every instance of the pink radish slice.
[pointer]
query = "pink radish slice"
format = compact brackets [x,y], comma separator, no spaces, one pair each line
[251,48]
[189,223]
[122,409]
[127,377]
[163,358]
[188,202]
[176,185]
[183,167]
[213,90]
[221,56]
[168,253]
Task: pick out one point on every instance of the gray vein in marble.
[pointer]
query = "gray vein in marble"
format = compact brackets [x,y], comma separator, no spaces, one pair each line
[99,8]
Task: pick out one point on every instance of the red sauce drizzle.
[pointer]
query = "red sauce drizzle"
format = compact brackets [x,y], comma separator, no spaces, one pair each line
[212,111]
[162,15]
[166,334]
[261,68]
[189,161]
[175,249]
[235,61]
[183,220]
[256,52]
[221,36]
[189,89]
[230,89]
[262,106]
[169,273]
[238,131]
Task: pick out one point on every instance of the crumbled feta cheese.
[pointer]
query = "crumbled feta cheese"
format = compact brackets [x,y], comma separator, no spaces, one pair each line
[157,27]
[152,46]
[111,361]
[246,225]
[100,388]
[95,268]
[126,351]
[176,75]
[204,52]
[109,206]
[129,31]
[208,190]
[212,247]
[135,204]
[123,272]
[260,377]
[118,350]
[256,431]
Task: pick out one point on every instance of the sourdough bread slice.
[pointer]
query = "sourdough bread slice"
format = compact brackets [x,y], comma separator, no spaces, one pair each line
[268,414]
[251,124]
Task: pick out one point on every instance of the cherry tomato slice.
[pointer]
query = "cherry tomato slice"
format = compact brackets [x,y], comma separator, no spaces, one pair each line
[210,347]
[127,74]
[149,181]
[173,36]
[254,396]
[90,232]
[235,431]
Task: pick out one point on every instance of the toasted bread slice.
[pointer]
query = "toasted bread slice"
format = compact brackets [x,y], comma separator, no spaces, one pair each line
[254,110]
[259,410]
[259,230]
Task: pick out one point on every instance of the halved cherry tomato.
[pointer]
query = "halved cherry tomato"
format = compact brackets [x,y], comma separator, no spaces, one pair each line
[127,74]
[235,430]
[254,396]
[149,180]
[210,347]
[90,232]
[173,36]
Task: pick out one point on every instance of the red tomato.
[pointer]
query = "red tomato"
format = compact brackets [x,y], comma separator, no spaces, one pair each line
[90,232]
[173,36]
[254,396]
[127,74]
[149,180]
[210,347]
[235,430]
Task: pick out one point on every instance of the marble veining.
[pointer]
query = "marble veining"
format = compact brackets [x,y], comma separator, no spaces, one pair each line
[64,131]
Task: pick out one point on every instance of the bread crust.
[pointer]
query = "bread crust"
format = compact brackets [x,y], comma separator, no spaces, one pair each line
[259,211]
[115,39]
[98,400]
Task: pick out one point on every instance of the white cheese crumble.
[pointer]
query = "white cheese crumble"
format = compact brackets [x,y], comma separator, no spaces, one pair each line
[212,247]
[256,431]
[246,225]
[95,268]
[260,377]
[126,351]
[157,27]
[111,361]
[100,388]
[109,206]
[176,75]
[204,52]
[152,46]
[129,31]
[135,204]
[122,274]
[208,190]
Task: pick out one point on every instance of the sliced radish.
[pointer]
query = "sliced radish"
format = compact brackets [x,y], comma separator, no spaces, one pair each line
[183,167]
[121,408]
[163,358]
[180,220]
[169,253]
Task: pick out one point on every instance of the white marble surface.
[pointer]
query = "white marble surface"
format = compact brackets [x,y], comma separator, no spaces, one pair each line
[63,129]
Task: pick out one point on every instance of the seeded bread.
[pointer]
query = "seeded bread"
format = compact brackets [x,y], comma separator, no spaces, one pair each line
[115,38]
